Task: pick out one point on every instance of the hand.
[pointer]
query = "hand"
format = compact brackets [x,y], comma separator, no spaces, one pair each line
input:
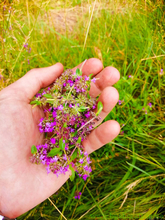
[24,185]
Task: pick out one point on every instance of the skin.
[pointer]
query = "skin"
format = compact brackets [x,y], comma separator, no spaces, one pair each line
[24,185]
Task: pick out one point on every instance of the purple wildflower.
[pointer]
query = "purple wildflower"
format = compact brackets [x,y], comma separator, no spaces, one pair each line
[77,195]
[85,153]
[60,107]
[88,160]
[28,61]
[122,132]
[53,140]
[25,45]
[41,129]
[87,114]
[54,114]
[81,161]
[150,104]
[71,130]
[85,176]
[38,95]
[93,80]
[29,49]
[48,169]
[65,157]
[54,159]
[86,167]
[86,78]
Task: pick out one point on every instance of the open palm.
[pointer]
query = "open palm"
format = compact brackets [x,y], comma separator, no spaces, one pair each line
[24,185]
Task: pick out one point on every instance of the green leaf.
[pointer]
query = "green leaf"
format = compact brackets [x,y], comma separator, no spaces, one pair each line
[33,149]
[79,140]
[78,72]
[90,76]
[50,101]
[54,152]
[60,154]
[73,173]
[74,155]
[88,95]
[65,125]
[35,102]
[48,96]
[82,109]
[74,134]
[99,108]
[61,144]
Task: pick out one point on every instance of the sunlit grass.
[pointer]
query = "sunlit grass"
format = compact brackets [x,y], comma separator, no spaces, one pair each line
[128,175]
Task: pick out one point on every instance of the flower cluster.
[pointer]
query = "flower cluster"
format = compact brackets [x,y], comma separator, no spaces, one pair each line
[69,118]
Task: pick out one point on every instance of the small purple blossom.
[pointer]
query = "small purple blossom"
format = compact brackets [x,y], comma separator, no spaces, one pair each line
[86,78]
[48,169]
[93,80]
[77,195]
[122,132]
[60,107]
[41,130]
[85,153]
[150,104]
[121,101]
[54,159]
[53,140]
[85,176]
[81,161]
[65,157]
[87,114]
[88,160]
[54,114]
[38,95]
[72,130]
[86,167]
[25,45]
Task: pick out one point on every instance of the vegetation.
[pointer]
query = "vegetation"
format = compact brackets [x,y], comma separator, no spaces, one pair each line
[128,178]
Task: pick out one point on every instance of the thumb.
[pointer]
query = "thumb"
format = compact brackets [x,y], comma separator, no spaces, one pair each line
[36,79]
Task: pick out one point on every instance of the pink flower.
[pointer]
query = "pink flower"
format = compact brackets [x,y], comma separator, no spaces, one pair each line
[53,140]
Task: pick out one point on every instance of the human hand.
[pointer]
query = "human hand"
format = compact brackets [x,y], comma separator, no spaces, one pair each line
[24,185]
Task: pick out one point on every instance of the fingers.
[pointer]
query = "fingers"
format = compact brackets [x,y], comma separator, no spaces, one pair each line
[102,135]
[36,79]
[107,77]
[92,65]
[109,98]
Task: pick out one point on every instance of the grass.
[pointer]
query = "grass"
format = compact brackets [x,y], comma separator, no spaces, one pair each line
[128,178]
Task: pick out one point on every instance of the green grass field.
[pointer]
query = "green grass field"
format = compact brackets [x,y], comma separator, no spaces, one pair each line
[128,178]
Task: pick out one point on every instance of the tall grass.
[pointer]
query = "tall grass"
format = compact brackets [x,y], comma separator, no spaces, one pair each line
[128,179]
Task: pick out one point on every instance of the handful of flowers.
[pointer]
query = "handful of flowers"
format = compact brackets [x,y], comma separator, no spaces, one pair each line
[69,118]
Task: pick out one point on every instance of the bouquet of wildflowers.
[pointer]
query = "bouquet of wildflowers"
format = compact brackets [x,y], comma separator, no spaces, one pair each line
[69,117]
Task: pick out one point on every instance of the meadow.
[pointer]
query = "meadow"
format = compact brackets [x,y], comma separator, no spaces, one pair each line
[128,178]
